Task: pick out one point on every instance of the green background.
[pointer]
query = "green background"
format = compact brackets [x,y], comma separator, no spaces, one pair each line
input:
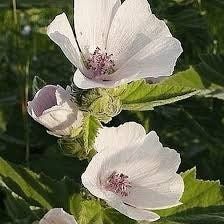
[195,126]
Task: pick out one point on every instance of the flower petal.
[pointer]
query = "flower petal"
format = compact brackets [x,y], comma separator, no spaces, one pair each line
[133,27]
[43,100]
[59,216]
[150,167]
[83,82]
[106,161]
[152,171]
[102,165]
[91,177]
[65,127]
[132,212]
[152,163]
[52,107]
[92,20]
[62,95]
[164,194]
[156,59]
[116,138]
[61,33]
[58,118]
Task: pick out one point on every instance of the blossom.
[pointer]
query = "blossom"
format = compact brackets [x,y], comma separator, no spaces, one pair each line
[115,43]
[133,172]
[52,107]
[57,216]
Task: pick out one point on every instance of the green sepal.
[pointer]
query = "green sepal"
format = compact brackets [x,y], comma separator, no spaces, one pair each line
[82,145]
[99,103]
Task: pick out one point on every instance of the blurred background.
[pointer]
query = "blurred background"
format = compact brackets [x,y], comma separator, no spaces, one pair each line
[28,59]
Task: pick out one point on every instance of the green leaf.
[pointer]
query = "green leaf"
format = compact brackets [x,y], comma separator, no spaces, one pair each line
[90,130]
[92,212]
[203,202]
[37,190]
[188,78]
[81,146]
[215,17]
[212,69]
[217,93]
[19,210]
[141,95]
[38,83]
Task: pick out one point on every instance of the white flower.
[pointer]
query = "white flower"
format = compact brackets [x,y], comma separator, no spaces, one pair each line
[116,43]
[53,108]
[57,216]
[133,172]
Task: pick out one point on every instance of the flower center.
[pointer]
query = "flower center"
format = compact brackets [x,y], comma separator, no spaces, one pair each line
[118,184]
[100,63]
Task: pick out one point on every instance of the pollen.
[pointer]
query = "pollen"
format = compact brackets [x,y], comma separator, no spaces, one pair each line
[100,63]
[118,184]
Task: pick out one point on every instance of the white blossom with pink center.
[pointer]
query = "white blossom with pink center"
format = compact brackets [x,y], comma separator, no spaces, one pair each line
[133,172]
[115,43]
[53,108]
[57,216]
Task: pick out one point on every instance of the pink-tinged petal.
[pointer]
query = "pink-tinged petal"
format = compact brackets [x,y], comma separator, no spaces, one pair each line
[74,121]
[57,118]
[83,82]
[61,33]
[61,120]
[52,107]
[102,165]
[62,95]
[117,138]
[132,212]
[44,99]
[99,169]
[92,20]
[152,173]
[152,162]
[57,216]
[133,27]
[156,59]
[162,195]
[137,177]
[91,179]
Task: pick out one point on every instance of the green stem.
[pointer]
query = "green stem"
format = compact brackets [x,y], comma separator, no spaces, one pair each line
[14,11]
[25,114]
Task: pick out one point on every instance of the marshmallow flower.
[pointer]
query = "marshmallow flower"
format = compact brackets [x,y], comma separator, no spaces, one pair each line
[52,107]
[133,172]
[115,43]
[57,216]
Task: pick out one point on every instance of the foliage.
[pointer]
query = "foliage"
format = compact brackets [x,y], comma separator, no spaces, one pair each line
[202,202]
[187,111]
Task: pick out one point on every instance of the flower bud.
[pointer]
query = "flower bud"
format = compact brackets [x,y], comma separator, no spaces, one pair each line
[57,216]
[53,108]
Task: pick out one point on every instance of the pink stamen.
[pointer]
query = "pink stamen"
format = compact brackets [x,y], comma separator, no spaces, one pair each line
[118,183]
[100,63]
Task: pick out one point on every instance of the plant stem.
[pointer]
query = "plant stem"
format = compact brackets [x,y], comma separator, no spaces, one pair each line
[25,114]
[14,11]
